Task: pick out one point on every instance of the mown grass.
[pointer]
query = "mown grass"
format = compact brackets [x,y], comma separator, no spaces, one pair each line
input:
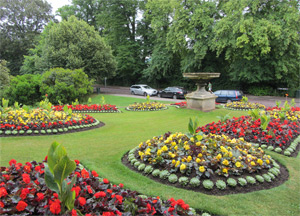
[102,149]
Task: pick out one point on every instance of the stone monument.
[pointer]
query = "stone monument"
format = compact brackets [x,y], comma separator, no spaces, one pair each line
[201,99]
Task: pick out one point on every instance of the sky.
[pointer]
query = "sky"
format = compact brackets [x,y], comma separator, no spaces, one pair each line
[57,4]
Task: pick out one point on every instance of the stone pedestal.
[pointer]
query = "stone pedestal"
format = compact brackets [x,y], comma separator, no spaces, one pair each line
[201,99]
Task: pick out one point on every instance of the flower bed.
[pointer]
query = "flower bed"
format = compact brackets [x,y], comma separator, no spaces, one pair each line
[277,136]
[23,192]
[147,106]
[205,162]
[14,122]
[107,108]
[240,105]
[179,104]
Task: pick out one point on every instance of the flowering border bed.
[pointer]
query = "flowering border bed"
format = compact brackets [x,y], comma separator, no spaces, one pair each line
[94,108]
[281,136]
[147,106]
[175,160]
[239,105]
[23,192]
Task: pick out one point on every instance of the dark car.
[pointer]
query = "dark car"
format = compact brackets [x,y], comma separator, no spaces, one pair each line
[227,96]
[172,92]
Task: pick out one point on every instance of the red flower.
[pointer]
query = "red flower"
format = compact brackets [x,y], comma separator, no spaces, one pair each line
[7,177]
[74,212]
[108,214]
[105,181]
[77,190]
[82,201]
[119,199]
[100,194]
[185,206]
[26,178]
[85,174]
[77,162]
[1,204]
[46,158]
[90,191]
[109,191]
[171,209]
[40,196]
[27,169]
[77,174]
[121,185]
[95,174]
[24,193]
[3,192]
[55,207]
[12,161]
[21,205]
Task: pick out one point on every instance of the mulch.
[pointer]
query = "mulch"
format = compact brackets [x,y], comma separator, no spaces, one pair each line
[280,179]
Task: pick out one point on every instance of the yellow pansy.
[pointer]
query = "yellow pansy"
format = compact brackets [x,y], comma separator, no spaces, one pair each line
[199,155]
[224,170]
[182,167]
[252,163]
[186,147]
[159,152]
[173,143]
[225,162]
[164,148]
[177,164]
[189,158]
[176,147]
[259,161]
[198,143]
[198,160]
[173,161]
[202,169]
[268,161]
[192,139]
[219,156]
[238,164]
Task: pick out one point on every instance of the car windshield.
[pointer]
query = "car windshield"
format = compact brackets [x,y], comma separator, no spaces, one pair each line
[147,87]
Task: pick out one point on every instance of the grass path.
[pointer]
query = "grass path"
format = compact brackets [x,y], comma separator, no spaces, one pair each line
[101,150]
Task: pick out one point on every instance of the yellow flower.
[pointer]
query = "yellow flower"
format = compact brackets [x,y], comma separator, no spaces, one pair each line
[183,160]
[177,164]
[173,143]
[173,155]
[186,147]
[182,167]
[225,170]
[219,156]
[225,162]
[189,158]
[198,143]
[202,169]
[199,155]
[164,148]
[230,154]
[238,164]
[259,161]
[268,161]
[192,139]
[198,160]
[176,147]
[252,163]
[173,161]
[159,152]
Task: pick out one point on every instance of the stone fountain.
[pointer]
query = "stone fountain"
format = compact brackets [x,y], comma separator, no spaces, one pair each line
[201,99]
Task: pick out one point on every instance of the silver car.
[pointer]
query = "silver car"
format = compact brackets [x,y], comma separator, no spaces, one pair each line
[142,89]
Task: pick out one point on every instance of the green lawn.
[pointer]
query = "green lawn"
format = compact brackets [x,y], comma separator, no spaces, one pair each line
[101,150]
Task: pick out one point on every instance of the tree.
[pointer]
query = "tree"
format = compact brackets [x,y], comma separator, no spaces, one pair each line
[260,40]
[21,21]
[4,77]
[65,85]
[71,44]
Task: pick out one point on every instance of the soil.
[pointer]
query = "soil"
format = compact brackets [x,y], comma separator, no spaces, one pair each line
[280,179]
[101,124]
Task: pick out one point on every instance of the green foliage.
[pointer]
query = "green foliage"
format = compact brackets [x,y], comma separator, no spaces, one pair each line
[224,118]
[271,175]
[255,114]
[265,119]
[65,85]
[242,181]
[57,169]
[250,180]
[221,184]
[278,150]
[141,167]
[278,103]
[21,22]
[90,100]
[156,172]
[183,180]
[71,44]
[25,89]
[136,164]
[148,169]
[4,76]
[267,178]
[244,99]
[173,178]
[231,182]
[164,174]
[193,125]
[261,90]
[208,184]
[195,182]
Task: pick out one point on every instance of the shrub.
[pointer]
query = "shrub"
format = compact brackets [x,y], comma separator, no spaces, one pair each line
[267,177]
[242,181]
[260,178]
[156,172]
[231,182]
[221,184]
[141,167]
[65,85]
[25,89]
[261,90]
[148,169]
[173,178]
[250,180]
[136,164]
[208,184]
[184,181]
[164,174]
[195,182]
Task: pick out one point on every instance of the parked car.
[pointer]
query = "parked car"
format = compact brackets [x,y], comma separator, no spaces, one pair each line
[142,89]
[227,96]
[173,92]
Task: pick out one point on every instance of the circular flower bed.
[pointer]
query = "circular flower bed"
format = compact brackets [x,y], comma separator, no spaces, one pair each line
[204,162]
[240,105]
[279,135]
[107,108]
[23,192]
[147,106]
[14,122]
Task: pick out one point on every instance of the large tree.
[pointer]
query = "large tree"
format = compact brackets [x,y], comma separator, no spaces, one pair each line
[71,44]
[20,22]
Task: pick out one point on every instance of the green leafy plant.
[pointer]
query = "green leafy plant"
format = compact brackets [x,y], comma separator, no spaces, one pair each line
[164,174]
[242,181]
[255,114]
[260,178]
[76,102]
[221,184]
[293,103]
[267,177]
[244,99]
[193,125]
[208,184]
[136,164]
[265,120]
[278,103]
[57,169]
[195,182]
[156,172]
[250,180]
[102,101]
[231,182]
[141,167]
[148,169]
[148,99]
[224,118]
[173,178]
[183,180]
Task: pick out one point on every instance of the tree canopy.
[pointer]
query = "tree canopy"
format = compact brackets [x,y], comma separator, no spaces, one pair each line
[71,44]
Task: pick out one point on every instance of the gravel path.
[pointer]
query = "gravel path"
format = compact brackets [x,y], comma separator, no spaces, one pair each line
[265,100]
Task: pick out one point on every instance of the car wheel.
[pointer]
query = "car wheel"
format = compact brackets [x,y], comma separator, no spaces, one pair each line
[229,101]
[175,97]
[158,95]
[132,92]
[145,94]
